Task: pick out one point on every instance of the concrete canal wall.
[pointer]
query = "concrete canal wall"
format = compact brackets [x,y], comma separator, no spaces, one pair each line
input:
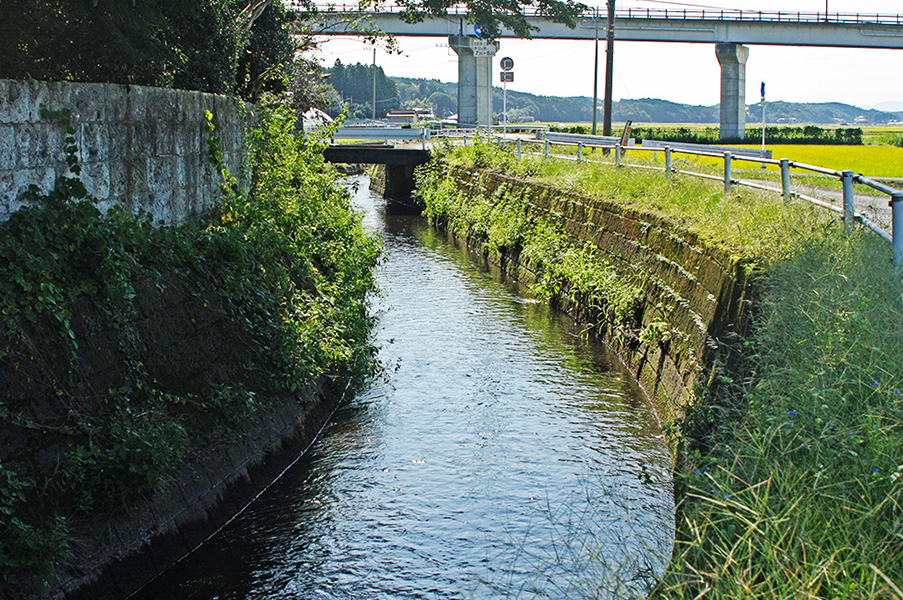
[693,293]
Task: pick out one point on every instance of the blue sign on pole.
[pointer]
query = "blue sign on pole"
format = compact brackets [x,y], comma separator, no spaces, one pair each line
[478,31]
[763,90]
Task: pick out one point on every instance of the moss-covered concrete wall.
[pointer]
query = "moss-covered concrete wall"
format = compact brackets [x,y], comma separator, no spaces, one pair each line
[178,334]
[694,293]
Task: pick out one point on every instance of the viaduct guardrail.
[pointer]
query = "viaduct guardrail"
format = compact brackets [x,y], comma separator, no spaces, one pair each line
[651,14]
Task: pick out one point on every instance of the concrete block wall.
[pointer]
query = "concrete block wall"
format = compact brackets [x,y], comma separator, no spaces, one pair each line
[144,148]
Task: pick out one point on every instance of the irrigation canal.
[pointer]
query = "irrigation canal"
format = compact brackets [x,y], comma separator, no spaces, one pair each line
[502,455]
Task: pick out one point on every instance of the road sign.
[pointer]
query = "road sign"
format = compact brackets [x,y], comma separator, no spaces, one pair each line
[506,76]
[506,64]
[483,47]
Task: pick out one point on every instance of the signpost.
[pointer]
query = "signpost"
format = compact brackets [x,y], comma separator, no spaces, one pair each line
[506,75]
[763,120]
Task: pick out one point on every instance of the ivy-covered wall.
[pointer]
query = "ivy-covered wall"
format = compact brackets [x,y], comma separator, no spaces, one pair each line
[141,147]
[660,297]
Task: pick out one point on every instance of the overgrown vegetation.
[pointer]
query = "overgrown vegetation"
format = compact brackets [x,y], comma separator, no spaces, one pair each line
[796,487]
[236,47]
[502,224]
[791,477]
[285,263]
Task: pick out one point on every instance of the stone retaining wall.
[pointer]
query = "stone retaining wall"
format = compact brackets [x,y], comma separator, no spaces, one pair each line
[142,147]
[697,290]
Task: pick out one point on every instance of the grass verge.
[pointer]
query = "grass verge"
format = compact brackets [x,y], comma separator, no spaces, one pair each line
[794,485]
[791,478]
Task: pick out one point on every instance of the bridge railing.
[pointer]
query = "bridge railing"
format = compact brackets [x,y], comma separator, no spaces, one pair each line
[728,157]
[655,14]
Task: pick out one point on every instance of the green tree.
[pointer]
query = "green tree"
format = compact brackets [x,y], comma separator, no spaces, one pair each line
[443,104]
[354,83]
[493,15]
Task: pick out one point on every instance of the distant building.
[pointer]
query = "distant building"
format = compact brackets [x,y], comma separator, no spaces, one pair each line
[409,116]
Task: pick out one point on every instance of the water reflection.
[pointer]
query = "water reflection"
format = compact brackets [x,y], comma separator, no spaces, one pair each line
[502,455]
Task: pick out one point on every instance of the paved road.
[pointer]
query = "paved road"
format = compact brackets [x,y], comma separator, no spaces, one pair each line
[876,208]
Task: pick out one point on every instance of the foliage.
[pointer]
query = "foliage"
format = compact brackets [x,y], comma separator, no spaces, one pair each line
[292,268]
[297,221]
[61,247]
[564,272]
[122,462]
[491,17]
[748,222]
[25,546]
[802,493]
[187,44]
[354,83]
[266,63]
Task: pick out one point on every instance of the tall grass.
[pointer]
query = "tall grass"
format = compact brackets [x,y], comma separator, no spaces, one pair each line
[802,494]
[791,483]
[748,221]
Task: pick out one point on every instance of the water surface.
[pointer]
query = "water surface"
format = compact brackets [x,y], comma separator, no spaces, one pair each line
[501,455]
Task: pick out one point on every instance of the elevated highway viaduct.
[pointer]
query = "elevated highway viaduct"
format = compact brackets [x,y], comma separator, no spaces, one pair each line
[730,31]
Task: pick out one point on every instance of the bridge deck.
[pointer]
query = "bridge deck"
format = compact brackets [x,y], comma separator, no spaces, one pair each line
[853,30]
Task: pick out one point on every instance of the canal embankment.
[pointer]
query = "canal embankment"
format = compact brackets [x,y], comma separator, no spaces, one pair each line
[661,297]
[791,473]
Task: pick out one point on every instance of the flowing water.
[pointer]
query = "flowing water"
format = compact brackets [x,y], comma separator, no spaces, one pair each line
[501,455]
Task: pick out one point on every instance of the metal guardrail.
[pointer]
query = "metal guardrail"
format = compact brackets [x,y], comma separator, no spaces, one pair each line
[836,18]
[586,140]
[848,178]
[385,134]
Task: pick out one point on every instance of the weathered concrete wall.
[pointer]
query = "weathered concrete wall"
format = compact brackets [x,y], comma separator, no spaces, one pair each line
[142,147]
[696,289]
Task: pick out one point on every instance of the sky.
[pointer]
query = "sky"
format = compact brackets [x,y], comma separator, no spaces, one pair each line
[684,73]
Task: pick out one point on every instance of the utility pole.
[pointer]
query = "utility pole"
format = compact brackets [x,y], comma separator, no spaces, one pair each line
[596,71]
[374,82]
[609,67]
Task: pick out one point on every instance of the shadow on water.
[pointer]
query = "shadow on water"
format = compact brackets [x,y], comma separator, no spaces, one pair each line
[501,455]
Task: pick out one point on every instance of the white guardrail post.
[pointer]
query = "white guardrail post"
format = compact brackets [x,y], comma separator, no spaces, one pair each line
[727,172]
[668,168]
[896,204]
[545,149]
[618,154]
[580,152]
[785,178]
[848,199]
[520,150]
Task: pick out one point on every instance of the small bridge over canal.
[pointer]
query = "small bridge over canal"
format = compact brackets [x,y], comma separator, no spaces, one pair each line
[400,164]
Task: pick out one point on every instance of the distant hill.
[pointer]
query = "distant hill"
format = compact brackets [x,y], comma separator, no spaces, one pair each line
[442,98]
[829,113]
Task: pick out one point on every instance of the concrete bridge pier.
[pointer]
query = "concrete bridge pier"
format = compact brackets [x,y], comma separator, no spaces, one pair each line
[733,89]
[474,79]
